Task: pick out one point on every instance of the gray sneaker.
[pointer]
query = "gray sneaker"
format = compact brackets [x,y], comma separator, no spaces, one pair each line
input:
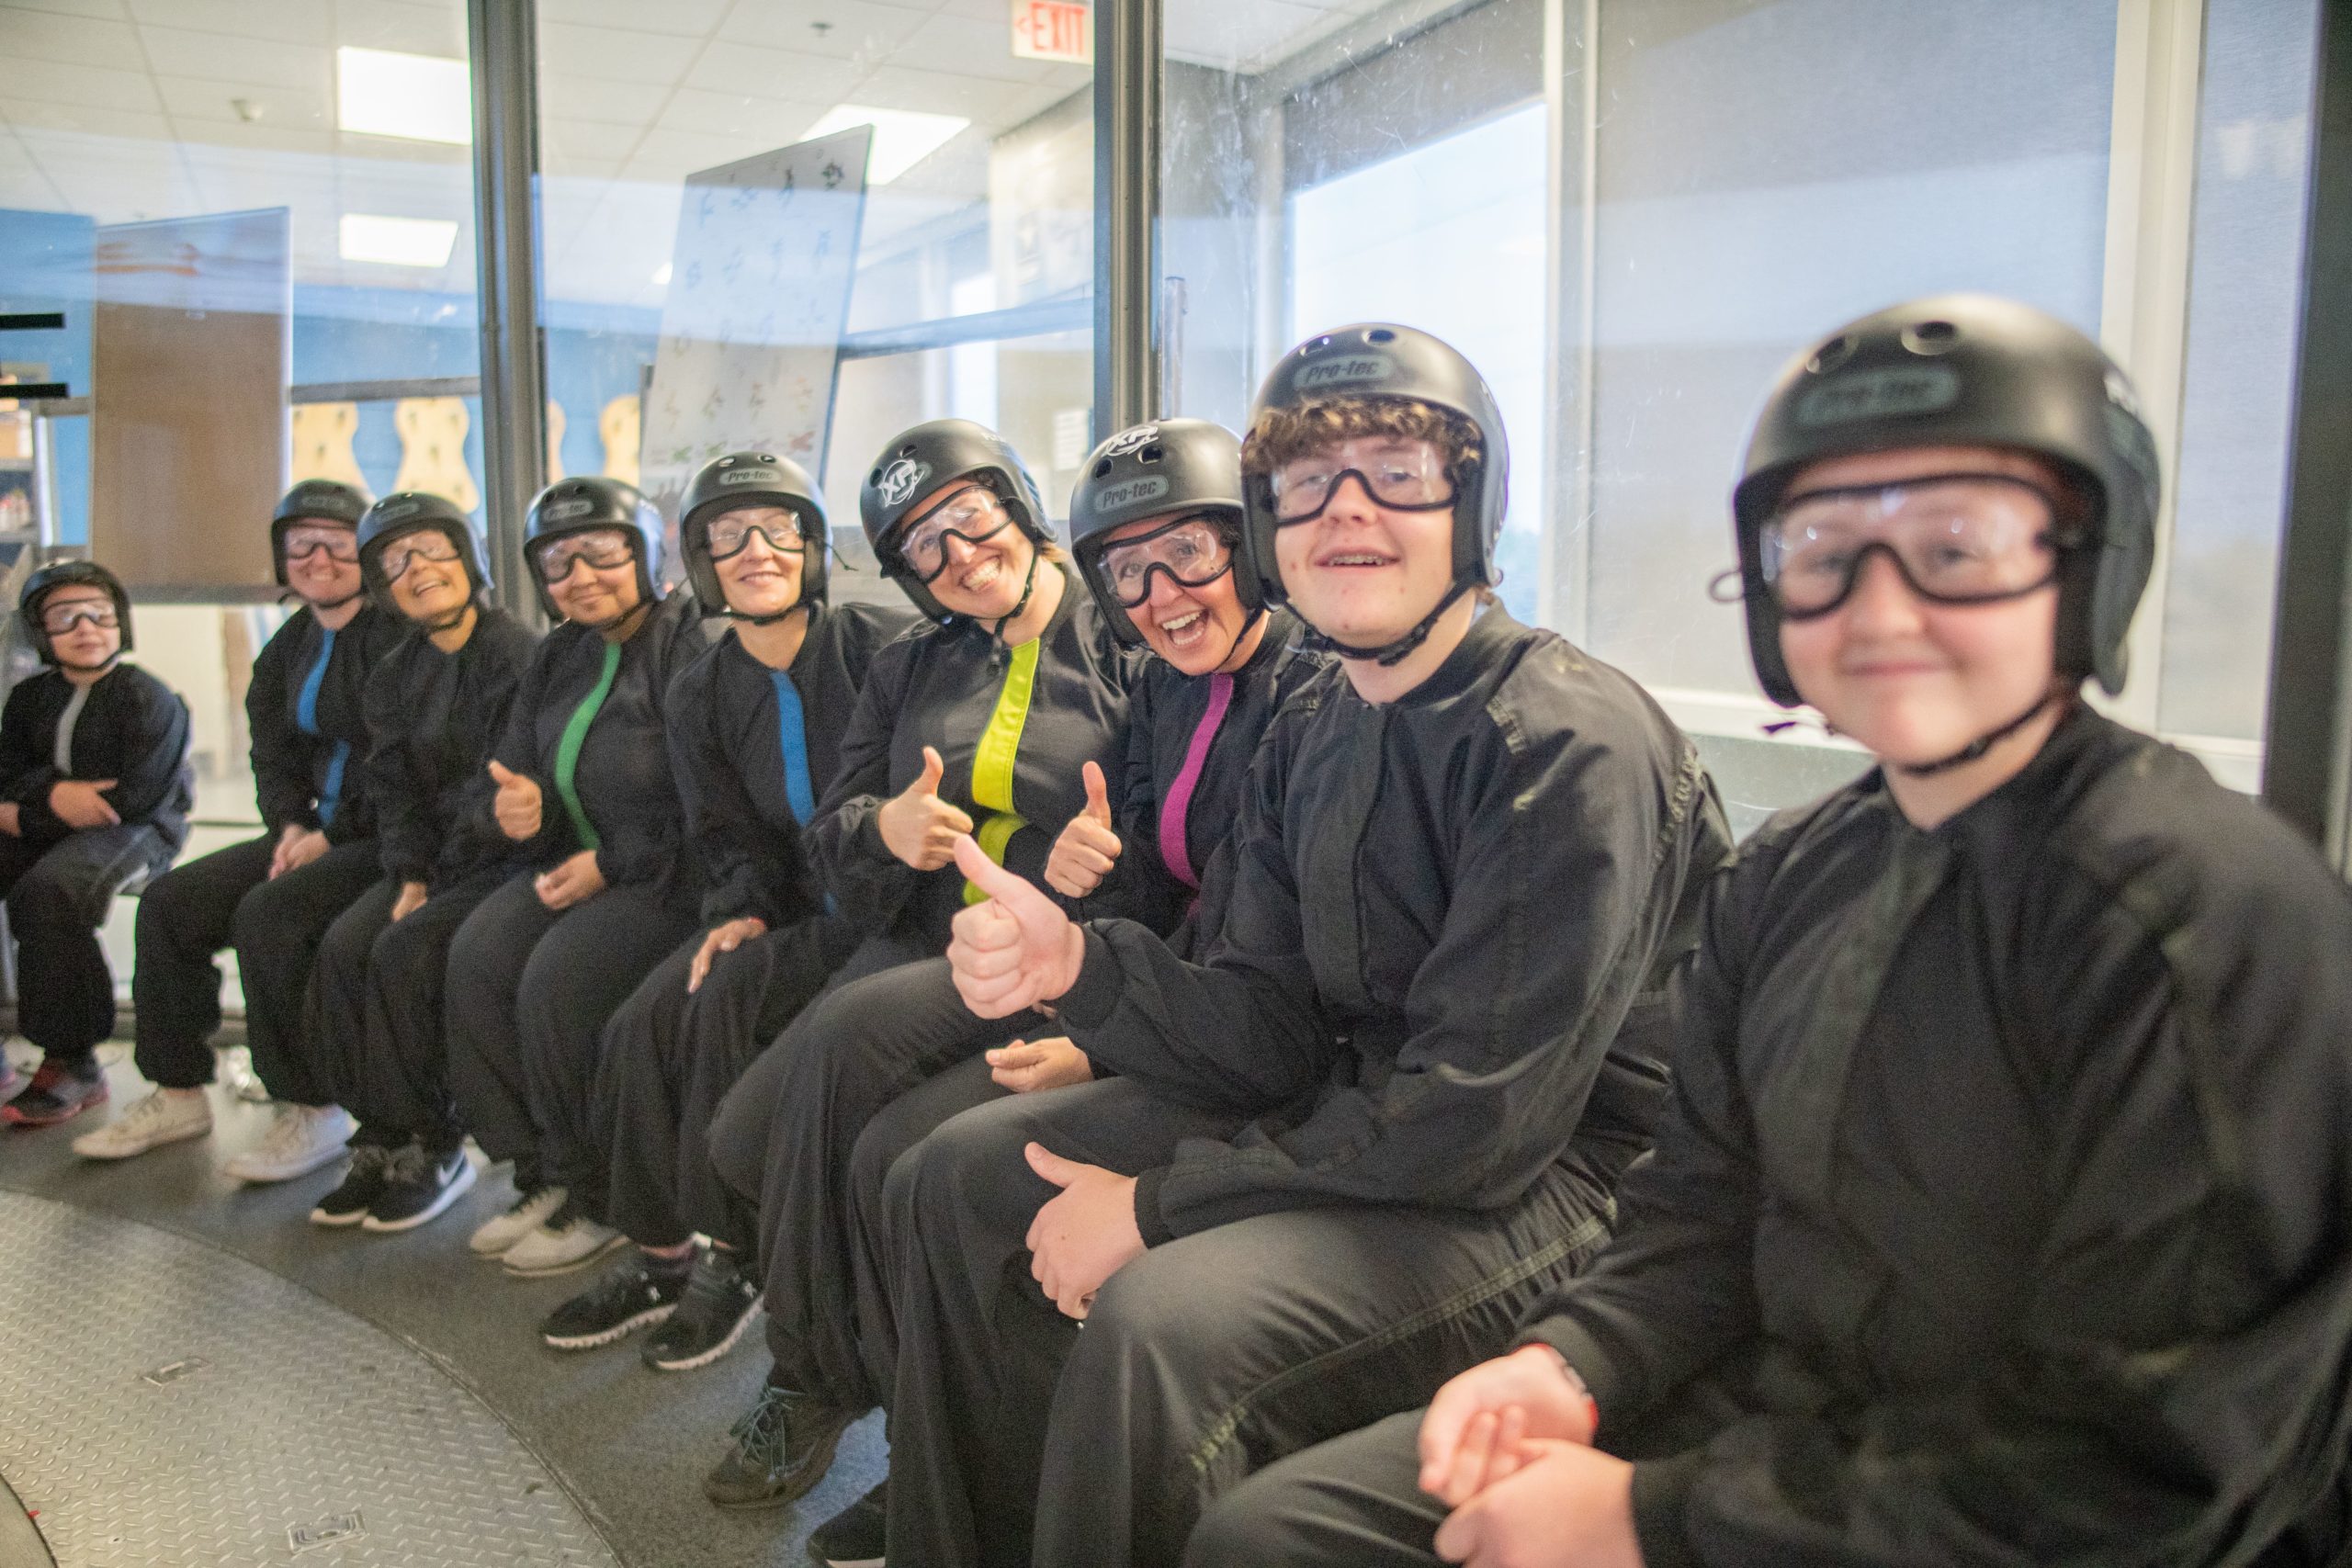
[568,1240]
[160,1116]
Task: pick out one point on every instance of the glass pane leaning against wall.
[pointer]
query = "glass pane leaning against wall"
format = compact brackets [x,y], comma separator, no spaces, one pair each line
[1630,231]
[949,273]
[256,217]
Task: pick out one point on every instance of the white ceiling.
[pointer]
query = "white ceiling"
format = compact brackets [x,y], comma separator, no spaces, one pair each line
[127,109]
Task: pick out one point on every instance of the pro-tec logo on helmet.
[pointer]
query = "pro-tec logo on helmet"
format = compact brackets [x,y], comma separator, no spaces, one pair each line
[1880,394]
[393,511]
[1114,497]
[1354,369]
[899,479]
[743,477]
[1127,441]
[565,509]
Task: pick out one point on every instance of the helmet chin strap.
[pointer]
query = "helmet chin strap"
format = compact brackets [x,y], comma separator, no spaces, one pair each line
[1028,588]
[1393,653]
[334,604]
[108,662]
[1976,748]
[784,614]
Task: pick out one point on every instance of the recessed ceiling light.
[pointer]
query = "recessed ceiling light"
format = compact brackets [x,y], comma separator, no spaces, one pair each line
[902,138]
[662,275]
[422,97]
[398,242]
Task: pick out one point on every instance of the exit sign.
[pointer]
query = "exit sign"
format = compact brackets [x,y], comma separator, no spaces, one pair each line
[1052,29]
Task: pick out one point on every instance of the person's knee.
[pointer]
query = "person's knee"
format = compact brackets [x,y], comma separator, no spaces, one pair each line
[738,1134]
[1240,1527]
[257,922]
[49,897]
[969,1165]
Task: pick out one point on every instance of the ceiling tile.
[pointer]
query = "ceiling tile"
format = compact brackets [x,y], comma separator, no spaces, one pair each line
[289,21]
[693,18]
[991,104]
[438,31]
[561,168]
[189,98]
[77,41]
[964,47]
[614,52]
[108,11]
[588,139]
[198,135]
[226,59]
[30,115]
[769,120]
[846,30]
[670,155]
[86,86]
[732,66]
[602,99]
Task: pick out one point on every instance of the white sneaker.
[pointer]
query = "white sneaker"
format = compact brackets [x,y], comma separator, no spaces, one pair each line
[300,1139]
[566,1241]
[531,1211]
[160,1116]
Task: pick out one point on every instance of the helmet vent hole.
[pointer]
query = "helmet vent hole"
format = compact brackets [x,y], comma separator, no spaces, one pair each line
[1102,467]
[1151,453]
[1930,337]
[1831,355]
[1380,334]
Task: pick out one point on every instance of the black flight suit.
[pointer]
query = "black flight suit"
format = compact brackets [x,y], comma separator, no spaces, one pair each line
[530,988]
[378,984]
[2003,1214]
[749,778]
[1386,1110]
[784,1135]
[60,880]
[306,710]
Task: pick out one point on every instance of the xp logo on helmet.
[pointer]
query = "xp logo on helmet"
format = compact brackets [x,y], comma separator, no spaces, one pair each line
[562,510]
[1128,441]
[898,480]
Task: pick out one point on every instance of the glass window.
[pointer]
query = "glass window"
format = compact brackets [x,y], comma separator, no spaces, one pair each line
[256,217]
[1632,239]
[947,270]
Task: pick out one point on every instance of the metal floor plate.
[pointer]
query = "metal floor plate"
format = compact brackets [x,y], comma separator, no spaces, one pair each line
[164,1403]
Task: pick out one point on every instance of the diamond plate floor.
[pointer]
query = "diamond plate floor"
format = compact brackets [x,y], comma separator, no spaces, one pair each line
[209,1411]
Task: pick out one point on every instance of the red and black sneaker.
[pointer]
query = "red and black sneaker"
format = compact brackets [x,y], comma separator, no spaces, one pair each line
[12,1082]
[57,1093]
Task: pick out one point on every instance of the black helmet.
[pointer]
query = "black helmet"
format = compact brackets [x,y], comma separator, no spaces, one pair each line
[1967,371]
[324,501]
[1150,470]
[915,464]
[751,479]
[408,512]
[591,502]
[62,574]
[1378,359]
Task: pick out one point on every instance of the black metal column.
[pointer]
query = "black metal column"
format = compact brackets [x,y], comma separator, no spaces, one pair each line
[1126,210]
[503,37]
[2307,760]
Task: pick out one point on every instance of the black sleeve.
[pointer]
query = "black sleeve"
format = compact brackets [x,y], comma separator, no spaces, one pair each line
[869,884]
[154,750]
[282,785]
[408,835]
[718,811]
[26,772]
[1510,1016]
[2174,1387]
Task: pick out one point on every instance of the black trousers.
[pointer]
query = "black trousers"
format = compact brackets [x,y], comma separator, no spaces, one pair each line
[1201,1360]
[530,989]
[787,1134]
[380,1015]
[229,898]
[669,1057]
[58,895]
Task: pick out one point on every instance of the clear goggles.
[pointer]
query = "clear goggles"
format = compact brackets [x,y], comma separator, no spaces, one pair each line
[339,543]
[601,548]
[425,544]
[65,617]
[1191,552]
[1956,538]
[973,515]
[729,533]
[1408,475]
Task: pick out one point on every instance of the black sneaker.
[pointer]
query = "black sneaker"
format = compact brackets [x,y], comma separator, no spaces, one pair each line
[628,1297]
[347,1204]
[852,1538]
[711,1315]
[418,1184]
[784,1445]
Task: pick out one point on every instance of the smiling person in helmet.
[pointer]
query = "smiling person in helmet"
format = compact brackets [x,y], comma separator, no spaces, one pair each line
[983,718]
[272,896]
[1386,1106]
[586,800]
[2002,1212]
[756,729]
[434,705]
[95,794]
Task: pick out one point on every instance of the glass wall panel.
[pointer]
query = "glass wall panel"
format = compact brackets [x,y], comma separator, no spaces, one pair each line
[961,282]
[1632,232]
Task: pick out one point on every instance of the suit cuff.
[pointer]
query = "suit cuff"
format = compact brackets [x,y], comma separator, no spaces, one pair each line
[1094,996]
[1149,1223]
[1662,1507]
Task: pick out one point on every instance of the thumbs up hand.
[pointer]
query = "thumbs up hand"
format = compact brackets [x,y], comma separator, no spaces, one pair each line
[1082,856]
[518,803]
[917,825]
[1015,948]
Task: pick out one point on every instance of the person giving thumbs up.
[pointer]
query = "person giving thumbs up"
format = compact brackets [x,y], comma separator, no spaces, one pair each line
[917,825]
[1084,853]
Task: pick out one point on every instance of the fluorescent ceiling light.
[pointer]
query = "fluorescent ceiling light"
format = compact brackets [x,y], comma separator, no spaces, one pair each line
[401,241]
[662,275]
[422,97]
[902,138]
